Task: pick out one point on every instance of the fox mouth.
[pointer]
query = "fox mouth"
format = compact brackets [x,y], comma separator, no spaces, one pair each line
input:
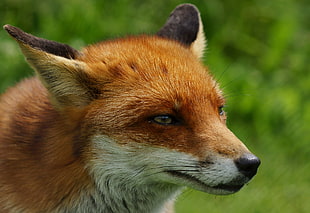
[217,189]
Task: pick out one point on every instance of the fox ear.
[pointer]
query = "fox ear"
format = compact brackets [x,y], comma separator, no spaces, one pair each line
[63,76]
[185,26]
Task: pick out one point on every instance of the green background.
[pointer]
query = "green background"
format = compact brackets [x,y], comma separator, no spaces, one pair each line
[257,49]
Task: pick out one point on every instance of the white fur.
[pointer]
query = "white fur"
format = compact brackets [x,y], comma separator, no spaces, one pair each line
[199,45]
[132,177]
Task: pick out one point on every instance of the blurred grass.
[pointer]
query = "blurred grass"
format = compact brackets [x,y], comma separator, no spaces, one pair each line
[257,49]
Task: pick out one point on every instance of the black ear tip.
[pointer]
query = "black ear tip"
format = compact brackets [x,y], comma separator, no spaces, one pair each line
[187,5]
[182,24]
[9,28]
[15,32]
[186,10]
[6,26]
[45,45]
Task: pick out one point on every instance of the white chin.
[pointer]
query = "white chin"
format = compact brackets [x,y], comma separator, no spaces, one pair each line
[194,183]
[221,191]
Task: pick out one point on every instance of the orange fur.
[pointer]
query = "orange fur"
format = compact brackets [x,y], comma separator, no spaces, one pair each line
[112,89]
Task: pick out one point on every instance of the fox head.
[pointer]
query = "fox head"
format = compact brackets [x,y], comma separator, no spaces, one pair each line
[146,110]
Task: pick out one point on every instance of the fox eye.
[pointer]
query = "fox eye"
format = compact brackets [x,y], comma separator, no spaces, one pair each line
[221,110]
[164,120]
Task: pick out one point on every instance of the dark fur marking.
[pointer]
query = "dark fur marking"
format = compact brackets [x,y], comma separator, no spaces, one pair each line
[125,205]
[93,201]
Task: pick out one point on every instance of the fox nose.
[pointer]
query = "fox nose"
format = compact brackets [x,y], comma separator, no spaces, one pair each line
[247,164]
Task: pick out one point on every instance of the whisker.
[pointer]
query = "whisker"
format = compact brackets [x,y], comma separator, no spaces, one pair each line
[218,79]
[236,94]
[187,166]
[163,169]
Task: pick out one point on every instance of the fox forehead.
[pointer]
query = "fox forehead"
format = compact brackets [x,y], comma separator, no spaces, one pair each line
[151,65]
[147,76]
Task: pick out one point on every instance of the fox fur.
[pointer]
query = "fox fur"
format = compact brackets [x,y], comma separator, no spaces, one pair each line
[120,126]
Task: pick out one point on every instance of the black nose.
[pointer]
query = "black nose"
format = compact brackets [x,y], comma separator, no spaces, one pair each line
[248,164]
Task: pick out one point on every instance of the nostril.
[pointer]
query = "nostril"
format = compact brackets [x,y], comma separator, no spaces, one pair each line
[248,164]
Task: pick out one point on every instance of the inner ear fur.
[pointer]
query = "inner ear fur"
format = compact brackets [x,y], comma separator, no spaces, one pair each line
[64,77]
[185,26]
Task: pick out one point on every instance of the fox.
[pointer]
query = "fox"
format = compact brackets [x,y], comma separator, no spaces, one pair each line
[123,125]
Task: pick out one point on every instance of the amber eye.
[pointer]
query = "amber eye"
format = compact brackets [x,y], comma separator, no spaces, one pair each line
[164,120]
[221,110]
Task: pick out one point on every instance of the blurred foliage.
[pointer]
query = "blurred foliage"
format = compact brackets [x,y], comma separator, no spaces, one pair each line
[257,49]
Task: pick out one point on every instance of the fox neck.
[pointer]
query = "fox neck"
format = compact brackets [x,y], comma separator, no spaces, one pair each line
[115,195]
[123,183]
